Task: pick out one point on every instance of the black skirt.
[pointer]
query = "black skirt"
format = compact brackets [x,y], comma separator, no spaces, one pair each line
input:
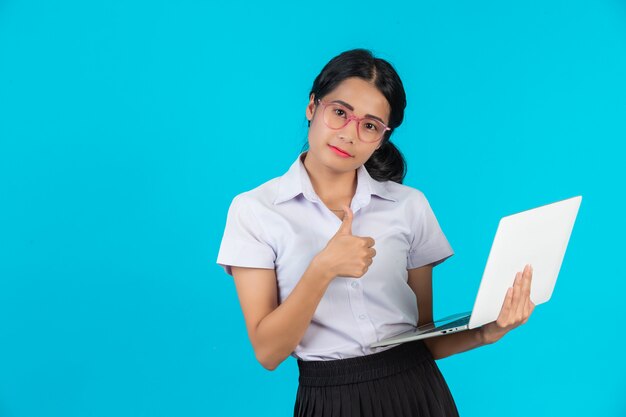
[400,381]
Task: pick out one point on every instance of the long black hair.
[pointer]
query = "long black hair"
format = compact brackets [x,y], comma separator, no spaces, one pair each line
[387,162]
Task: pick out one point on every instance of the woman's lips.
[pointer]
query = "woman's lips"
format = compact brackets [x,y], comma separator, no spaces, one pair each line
[339,152]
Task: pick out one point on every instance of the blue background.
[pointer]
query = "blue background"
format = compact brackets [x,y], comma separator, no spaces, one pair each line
[126,128]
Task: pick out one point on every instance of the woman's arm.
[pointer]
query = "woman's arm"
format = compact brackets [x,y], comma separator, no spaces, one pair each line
[515,311]
[275,330]
[421,282]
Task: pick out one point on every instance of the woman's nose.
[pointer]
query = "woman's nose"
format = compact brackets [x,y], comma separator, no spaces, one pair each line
[350,130]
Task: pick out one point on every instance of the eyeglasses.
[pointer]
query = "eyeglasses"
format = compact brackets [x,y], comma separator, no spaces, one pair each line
[337,116]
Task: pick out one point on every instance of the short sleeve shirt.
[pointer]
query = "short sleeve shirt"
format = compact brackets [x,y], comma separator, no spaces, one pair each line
[282,224]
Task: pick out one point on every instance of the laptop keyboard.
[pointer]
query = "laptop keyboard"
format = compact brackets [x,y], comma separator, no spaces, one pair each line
[456,323]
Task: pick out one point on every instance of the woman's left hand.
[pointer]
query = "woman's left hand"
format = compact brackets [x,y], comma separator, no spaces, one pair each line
[516,308]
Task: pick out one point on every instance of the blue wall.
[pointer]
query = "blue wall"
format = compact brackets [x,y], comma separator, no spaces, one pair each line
[126,127]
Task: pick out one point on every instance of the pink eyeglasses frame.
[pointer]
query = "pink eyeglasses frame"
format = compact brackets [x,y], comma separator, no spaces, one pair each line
[353,117]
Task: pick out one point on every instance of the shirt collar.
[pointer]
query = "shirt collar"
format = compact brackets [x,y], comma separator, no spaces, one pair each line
[296,181]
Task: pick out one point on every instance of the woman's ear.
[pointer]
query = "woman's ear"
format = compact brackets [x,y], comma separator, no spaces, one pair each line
[310,108]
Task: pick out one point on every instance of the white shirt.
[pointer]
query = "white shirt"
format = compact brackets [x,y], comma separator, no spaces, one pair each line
[282,224]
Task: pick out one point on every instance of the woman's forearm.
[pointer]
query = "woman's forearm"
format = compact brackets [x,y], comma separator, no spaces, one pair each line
[278,334]
[450,344]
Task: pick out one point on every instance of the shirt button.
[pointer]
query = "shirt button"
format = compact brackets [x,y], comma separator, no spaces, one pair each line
[362,316]
[354,284]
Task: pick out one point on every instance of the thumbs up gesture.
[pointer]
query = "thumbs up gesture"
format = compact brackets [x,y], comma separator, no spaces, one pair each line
[345,254]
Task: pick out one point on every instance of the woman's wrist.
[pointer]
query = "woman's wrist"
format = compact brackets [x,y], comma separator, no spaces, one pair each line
[490,334]
[320,268]
[482,337]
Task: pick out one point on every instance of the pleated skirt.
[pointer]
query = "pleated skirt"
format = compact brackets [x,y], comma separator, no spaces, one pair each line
[403,381]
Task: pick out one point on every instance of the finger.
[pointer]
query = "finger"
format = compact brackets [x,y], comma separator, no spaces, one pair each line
[526,311]
[517,296]
[369,242]
[505,311]
[524,292]
[346,225]
[524,315]
[528,282]
[529,308]
[528,301]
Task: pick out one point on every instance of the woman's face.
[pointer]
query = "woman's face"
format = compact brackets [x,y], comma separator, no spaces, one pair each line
[365,99]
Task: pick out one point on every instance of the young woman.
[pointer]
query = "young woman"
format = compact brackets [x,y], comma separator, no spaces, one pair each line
[337,254]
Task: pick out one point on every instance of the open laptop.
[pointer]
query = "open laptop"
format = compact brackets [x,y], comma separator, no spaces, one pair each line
[538,237]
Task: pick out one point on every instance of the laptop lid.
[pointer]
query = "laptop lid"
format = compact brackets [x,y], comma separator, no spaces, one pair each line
[538,237]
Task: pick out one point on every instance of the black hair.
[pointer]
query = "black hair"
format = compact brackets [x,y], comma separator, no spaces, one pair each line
[387,162]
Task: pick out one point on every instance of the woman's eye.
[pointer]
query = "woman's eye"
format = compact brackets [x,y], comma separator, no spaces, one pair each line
[339,112]
[371,126]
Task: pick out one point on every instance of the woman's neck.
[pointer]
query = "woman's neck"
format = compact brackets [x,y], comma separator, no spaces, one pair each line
[334,188]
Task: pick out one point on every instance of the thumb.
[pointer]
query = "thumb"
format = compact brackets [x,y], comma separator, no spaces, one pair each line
[346,224]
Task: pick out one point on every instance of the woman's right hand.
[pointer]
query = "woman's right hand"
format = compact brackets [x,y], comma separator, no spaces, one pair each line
[347,255]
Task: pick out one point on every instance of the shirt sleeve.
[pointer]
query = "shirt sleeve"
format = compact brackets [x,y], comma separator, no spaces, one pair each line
[244,242]
[429,245]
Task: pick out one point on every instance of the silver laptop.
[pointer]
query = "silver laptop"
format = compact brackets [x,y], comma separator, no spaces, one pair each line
[538,237]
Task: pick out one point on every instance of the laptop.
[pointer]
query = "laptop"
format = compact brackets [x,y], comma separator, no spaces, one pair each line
[539,237]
